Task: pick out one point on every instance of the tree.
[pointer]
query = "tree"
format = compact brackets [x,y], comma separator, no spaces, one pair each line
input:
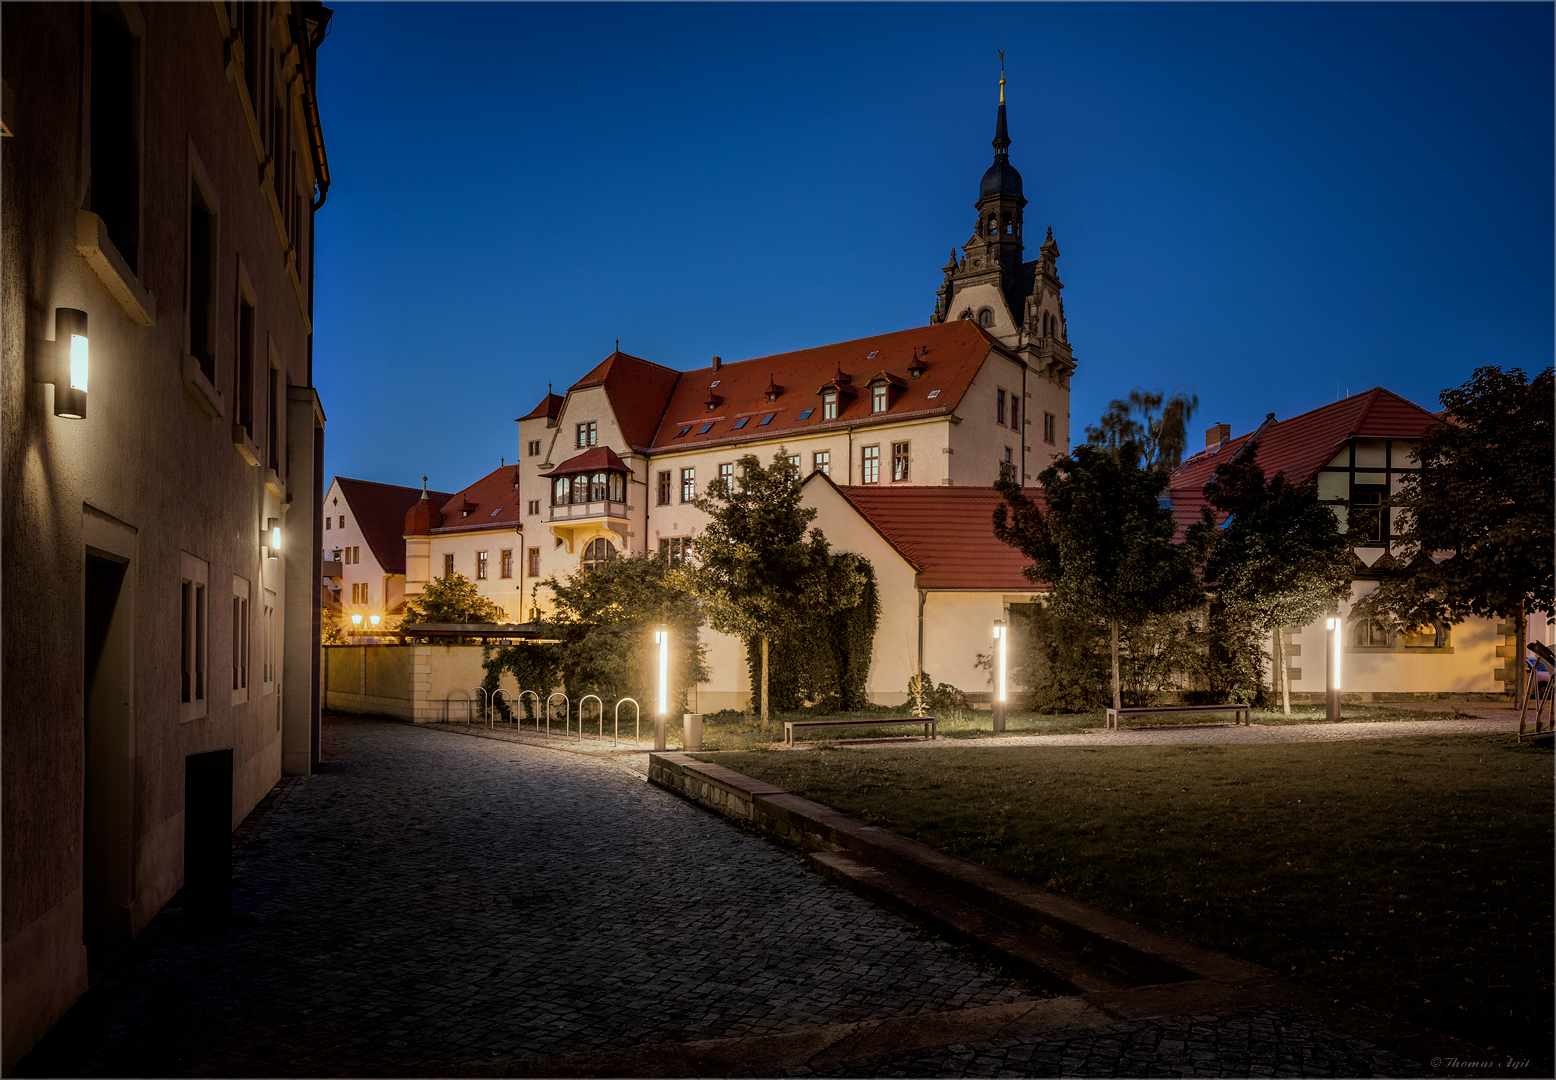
[1160,436]
[603,621]
[1279,559]
[1104,541]
[451,599]
[1475,522]
[759,572]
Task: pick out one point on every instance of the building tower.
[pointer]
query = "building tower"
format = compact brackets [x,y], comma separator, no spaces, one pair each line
[1017,302]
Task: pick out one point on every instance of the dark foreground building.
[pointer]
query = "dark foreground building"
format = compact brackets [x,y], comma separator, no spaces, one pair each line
[162,457]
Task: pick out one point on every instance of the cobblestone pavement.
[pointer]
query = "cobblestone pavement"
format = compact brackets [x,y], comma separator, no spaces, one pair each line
[1264,1042]
[452,905]
[447,900]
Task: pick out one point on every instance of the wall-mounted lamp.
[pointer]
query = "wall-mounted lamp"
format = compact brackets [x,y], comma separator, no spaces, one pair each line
[1335,630]
[356,620]
[273,536]
[374,620]
[1000,638]
[662,702]
[65,362]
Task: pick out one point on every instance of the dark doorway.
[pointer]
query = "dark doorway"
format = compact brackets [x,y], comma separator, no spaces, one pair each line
[107,873]
[208,838]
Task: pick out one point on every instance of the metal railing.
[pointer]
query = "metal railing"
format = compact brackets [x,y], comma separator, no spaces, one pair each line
[486,703]
[637,730]
[567,712]
[539,708]
[598,702]
[492,707]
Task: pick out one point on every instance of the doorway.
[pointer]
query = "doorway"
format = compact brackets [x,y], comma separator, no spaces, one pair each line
[208,838]
[107,847]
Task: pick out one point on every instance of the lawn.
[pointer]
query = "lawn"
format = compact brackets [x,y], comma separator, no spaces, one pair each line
[741,731]
[1412,874]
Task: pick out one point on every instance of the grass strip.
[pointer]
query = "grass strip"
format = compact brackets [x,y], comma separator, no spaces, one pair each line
[1413,874]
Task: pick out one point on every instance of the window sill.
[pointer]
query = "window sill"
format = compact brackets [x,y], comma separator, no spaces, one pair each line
[192,710]
[244,445]
[274,485]
[98,252]
[206,396]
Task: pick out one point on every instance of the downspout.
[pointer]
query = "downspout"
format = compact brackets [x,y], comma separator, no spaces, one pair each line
[1026,418]
[923,594]
[850,457]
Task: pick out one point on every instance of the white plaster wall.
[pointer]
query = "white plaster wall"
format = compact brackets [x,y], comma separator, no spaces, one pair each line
[978,442]
[986,295]
[350,536]
[507,593]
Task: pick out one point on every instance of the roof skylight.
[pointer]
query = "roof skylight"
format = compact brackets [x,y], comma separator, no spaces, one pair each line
[806,414]
[705,429]
[768,419]
[742,422]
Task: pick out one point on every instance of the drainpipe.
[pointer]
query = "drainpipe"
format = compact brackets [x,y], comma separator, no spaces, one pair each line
[923,594]
[850,457]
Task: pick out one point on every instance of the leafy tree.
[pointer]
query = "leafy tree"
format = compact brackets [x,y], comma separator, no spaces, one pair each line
[1158,428]
[451,599]
[823,664]
[1483,495]
[1104,541]
[603,620]
[760,574]
[1279,559]
[1065,664]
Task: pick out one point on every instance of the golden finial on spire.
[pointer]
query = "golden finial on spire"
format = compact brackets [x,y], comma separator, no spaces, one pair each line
[1002,73]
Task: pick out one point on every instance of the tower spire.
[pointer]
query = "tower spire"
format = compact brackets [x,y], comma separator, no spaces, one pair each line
[1001,138]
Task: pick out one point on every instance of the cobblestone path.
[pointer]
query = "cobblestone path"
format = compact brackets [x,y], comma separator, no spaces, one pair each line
[480,906]
[448,900]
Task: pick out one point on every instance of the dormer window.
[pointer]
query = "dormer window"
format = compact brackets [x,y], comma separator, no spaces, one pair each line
[880,399]
[773,390]
[829,405]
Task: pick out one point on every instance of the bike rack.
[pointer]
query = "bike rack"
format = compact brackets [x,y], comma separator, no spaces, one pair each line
[638,730]
[493,706]
[598,702]
[450,697]
[567,712]
[518,716]
[485,702]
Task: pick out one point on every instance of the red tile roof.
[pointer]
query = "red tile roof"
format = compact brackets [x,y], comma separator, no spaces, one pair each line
[380,510]
[637,390]
[489,502]
[947,533]
[592,460]
[1299,447]
[955,352]
[550,406]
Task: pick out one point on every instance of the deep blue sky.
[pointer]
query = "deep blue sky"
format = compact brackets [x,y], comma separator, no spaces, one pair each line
[1263,203]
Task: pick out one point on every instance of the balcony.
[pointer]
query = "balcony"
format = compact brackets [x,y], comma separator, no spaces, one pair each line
[578,523]
[590,511]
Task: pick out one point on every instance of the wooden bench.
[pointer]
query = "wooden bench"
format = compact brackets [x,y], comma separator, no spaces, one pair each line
[928,722]
[1242,713]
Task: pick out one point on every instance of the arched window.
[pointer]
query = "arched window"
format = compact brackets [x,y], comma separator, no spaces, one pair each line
[617,487]
[597,488]
[986,317]
[598,551]
[561,495]
[994,224]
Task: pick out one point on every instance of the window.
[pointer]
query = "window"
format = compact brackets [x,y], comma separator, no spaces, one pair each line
[986,317]
[448,564]
[727,474]
[682,432]
[201,280]
[192,660]
[664,488]
[829,405]
[705,429]
[115,160]
[598,551]
[879,399]
[1008,465]
[768,419]
[562,491]
[675,550]
[688,485]
[794,460]
[821,461]
[534,507]
[534,562]
[870,465]
[534,448]
[1368,515]
[806,414]
[275,432]
[505,564]
[272,647]
[245,374]
[999,407]
[240,640]
[588,434]
[1049,427]
[742,422]
[343,521]
[899,461]
[480,566]
[1015,413]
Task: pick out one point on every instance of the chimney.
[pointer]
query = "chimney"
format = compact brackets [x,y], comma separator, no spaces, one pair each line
[718,362]
[1214,436]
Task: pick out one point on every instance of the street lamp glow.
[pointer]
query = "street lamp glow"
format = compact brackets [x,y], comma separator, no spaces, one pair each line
[662,639]
[999,650]
[373,619]
[356,620]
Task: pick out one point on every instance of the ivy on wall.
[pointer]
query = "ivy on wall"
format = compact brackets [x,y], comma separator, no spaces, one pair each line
[824,667]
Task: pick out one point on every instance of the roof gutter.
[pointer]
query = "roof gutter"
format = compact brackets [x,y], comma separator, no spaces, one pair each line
[310,93]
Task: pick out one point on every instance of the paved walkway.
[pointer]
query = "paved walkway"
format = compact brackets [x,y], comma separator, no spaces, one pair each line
[479,906]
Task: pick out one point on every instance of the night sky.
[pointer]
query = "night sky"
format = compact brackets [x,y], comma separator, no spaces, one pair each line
[1265,204]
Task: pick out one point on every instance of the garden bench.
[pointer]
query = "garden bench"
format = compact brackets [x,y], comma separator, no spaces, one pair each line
[1242,713]
[929,724]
